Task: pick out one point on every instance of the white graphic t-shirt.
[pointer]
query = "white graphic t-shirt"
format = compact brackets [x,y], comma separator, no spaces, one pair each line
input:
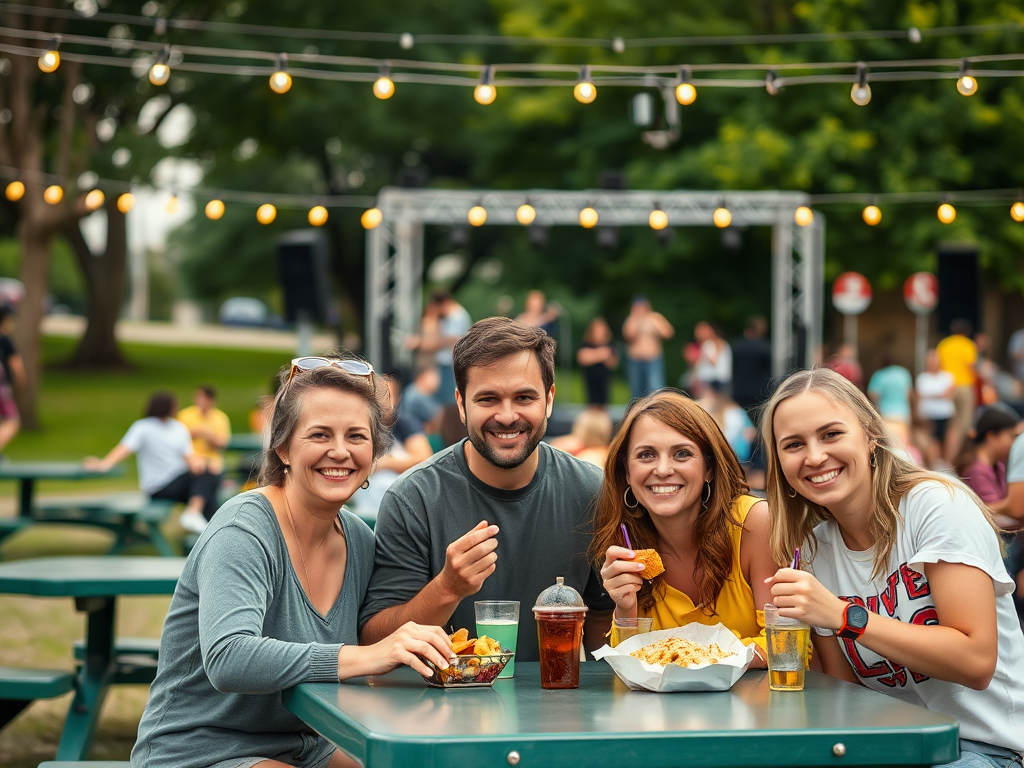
[939,524]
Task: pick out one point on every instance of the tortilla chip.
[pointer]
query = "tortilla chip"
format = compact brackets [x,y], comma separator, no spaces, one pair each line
[460,636]
[485,646]
[652,562]
[466,646]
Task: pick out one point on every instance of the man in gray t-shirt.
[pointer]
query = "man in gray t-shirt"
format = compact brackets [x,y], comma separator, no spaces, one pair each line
[497,516]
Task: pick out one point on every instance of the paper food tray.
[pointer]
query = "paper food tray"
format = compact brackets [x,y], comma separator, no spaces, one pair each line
[641,676]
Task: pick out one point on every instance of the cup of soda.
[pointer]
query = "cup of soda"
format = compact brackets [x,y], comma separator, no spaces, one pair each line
[559,613]
[788,643]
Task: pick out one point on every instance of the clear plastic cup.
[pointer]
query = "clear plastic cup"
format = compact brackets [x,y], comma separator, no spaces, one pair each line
[559,613]
[788,642]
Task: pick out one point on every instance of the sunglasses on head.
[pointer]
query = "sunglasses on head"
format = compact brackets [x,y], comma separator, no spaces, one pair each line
[348,365]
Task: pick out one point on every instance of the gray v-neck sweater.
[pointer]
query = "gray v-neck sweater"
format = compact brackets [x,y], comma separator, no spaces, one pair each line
[240,629]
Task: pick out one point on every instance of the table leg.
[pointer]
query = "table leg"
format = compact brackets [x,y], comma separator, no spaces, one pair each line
[28,488]
[163,546]
[94,678]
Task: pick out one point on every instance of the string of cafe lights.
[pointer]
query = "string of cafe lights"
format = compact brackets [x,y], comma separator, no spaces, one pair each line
[384,74]
[476,216]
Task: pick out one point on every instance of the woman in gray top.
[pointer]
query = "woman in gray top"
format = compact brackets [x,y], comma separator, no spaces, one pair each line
[270,595]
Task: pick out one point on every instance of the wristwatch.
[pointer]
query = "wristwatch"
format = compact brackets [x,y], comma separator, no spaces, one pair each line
[855,621]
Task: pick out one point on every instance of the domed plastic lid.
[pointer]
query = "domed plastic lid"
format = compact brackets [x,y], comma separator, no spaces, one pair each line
[560,598]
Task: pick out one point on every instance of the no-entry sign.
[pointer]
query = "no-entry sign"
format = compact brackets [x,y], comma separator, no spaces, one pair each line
[851,293]
[921,292]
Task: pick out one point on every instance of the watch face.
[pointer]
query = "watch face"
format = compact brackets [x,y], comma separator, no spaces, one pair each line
[857,617]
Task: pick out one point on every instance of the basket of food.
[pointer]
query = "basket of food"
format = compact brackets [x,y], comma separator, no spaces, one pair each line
[477,664]
[691,658]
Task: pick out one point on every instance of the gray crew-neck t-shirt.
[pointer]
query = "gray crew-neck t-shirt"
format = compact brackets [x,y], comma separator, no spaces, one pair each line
[240,630]
[545,532]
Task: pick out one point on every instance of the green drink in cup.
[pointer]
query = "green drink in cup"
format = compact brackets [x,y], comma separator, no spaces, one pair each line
[499,620]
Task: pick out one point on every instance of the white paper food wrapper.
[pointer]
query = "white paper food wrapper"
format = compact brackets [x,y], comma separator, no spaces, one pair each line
[641,676]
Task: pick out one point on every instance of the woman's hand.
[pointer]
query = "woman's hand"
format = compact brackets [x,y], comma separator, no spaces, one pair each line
[410,644]
[799,595]
[622,579]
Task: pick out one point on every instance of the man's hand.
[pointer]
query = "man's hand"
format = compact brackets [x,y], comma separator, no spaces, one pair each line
[469,560]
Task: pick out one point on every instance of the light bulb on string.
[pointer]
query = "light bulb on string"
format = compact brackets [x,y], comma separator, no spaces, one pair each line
[946,213]
[160,72]
[15,191]
[585,90]
[803,216]
[722,217]
[686,93]
[371,218]
[53,194]
[1017,211]
[658,218]
[526,213]
[94,199]
[861,91]
[125,202]
[50,59]
[477,215]
[384,86]
[966,84]
[588,218]
[871,214]
[266,213]
[281,81]
[171,206]
[317,216]
[485,92]
[214,209]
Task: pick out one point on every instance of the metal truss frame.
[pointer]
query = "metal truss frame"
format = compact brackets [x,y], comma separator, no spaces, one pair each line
[394,252]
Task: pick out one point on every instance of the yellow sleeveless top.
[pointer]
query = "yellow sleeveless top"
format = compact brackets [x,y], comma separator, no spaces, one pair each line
[735,608]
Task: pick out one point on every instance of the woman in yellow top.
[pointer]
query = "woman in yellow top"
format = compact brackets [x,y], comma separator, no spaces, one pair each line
[675,483]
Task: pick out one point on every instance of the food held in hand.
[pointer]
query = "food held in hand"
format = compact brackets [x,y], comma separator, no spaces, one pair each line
[652,562]
[678,650]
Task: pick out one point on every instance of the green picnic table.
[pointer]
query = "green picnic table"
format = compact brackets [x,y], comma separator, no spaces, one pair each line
[132,517]
[28,472]
[247,442]
[396,720]
[94,583]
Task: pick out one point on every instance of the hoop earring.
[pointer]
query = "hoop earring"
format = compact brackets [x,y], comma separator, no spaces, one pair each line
[705,499]
[625,498]
[791,493]
[286,469]
[874,459]
[366,484]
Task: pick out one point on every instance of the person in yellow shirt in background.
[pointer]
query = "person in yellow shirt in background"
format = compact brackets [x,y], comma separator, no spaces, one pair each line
[210,429]
[958,355]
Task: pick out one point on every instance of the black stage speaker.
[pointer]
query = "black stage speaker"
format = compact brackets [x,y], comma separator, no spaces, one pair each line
[959,285]
[302,259]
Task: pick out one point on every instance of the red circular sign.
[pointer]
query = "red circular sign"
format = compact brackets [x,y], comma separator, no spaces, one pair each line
[921,292]
[851,293]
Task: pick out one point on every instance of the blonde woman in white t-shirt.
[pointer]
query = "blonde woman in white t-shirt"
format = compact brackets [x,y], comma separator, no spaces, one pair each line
[902,579]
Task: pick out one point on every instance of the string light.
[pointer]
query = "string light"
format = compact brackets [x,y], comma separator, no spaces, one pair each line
[477,215]
[126,202]
[803,216]
[371,218]
[94,199]
[485,92]
[871,215]
[15,191]
[281,81]
[317,216]
[160,72]
[946,213]
[722,217]
[686,94]
[525,214]
[658,219]
[266,213]
[53,194]
[384,86]
[861,91]
[50,59]
[966,85]
[588,218]
[1017,211]
[171,206]
[585,91]
[214,209]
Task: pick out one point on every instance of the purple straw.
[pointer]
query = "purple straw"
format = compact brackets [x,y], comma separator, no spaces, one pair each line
[624,533]
[796,559]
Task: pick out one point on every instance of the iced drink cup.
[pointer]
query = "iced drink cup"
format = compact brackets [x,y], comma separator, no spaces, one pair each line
[560,612]
[499,620]
[623,629]
[788,642]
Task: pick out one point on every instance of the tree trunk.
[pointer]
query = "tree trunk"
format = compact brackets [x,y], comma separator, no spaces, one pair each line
[35,274]
[105,279]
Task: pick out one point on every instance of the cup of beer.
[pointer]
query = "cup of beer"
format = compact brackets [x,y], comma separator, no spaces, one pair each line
[788,642]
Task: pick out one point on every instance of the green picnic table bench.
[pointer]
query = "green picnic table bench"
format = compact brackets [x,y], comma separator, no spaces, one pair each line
[20,687]
[132,517]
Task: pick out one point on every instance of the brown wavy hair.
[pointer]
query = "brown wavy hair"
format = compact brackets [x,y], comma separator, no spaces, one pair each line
[793,517]
[714,554]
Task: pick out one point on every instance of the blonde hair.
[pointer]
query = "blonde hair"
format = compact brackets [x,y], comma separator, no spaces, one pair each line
[793,517]
[593,428]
